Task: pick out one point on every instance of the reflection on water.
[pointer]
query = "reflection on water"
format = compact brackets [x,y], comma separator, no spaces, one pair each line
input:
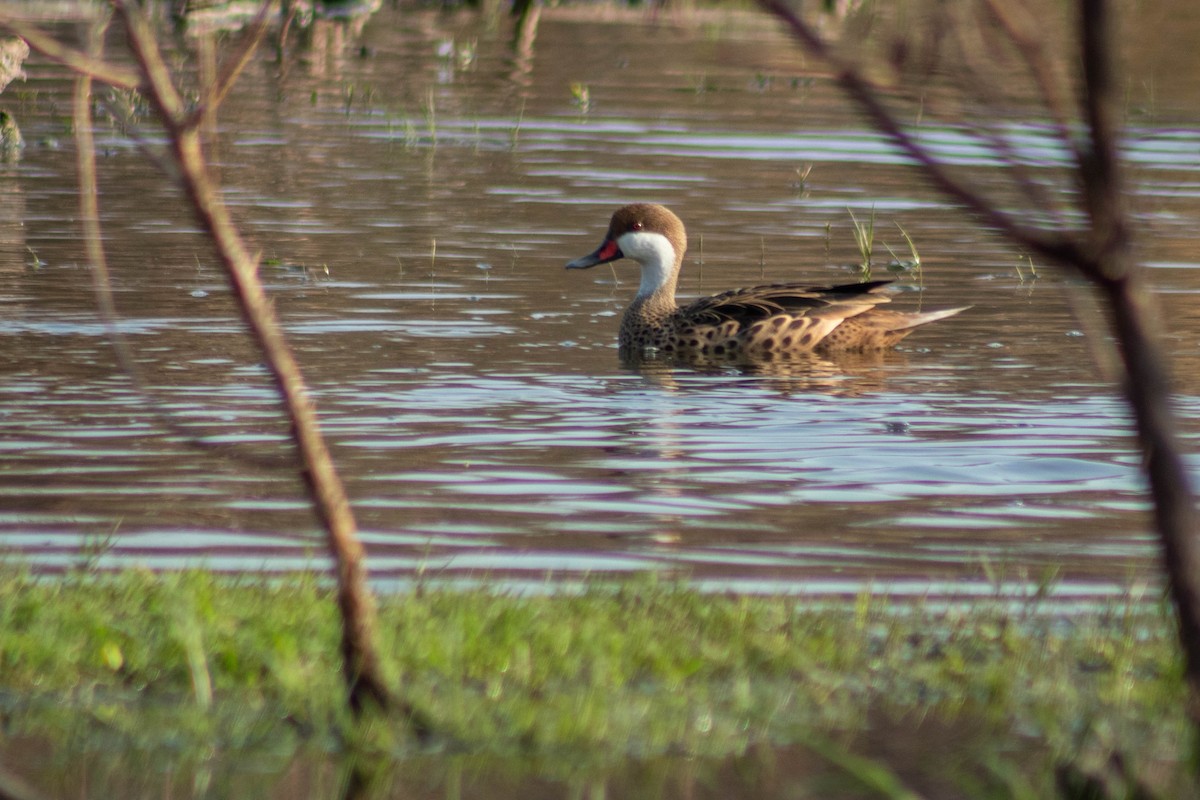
[762,770]
[414,229]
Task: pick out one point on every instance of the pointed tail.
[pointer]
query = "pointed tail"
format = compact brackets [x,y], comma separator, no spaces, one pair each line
[917,320]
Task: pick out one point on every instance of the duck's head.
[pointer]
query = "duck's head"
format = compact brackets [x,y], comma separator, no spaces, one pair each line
[647,233]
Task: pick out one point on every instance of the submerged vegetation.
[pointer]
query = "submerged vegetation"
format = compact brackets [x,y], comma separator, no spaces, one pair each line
[184,665]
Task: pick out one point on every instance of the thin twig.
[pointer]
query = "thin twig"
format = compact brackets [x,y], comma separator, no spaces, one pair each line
[360,663]
[79,62]
[233,66]
[89,211]
[1103,193]
[981,82]
[1147,384]
[1020,25]
[156,76]
[1053,245]
[85,154]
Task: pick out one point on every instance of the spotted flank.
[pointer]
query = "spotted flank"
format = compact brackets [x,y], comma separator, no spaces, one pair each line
[761,323]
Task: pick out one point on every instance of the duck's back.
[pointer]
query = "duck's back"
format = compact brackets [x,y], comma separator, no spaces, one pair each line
[775,321]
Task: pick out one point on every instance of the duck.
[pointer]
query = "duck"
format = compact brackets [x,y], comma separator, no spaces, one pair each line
[759,323]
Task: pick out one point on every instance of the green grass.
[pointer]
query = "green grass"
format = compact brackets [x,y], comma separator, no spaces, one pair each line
[191,664]
[906,266]
[864,239]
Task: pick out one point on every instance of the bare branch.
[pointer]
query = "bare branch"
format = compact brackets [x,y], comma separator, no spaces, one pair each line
[234,65]
[98,263]
[1099,161]
[982,86]
[1021,26]
[1101,251]
[79,62]
[160,88]
[89,212]
[360,662]
[1147,383]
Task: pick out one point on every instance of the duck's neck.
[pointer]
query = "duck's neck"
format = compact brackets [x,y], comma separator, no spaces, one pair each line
[660,264]
[649,314]
[655,300]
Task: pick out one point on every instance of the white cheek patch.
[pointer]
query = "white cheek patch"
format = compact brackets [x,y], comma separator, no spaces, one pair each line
[654,253]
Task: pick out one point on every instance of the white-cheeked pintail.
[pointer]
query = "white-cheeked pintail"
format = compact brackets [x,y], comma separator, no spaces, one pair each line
[759,323]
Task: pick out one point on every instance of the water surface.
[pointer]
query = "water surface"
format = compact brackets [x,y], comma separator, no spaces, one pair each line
[415,196]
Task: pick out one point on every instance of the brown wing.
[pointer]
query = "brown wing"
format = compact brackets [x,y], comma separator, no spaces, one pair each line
[746,306]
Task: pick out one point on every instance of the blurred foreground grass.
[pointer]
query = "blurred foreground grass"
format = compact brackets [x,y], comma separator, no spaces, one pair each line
[187,665]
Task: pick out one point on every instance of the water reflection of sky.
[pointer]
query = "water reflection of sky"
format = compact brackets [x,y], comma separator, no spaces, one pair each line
[470,387]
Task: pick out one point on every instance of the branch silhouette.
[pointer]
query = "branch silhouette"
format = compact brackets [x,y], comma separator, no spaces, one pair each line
[1099,250]
[365,683]
[360,660]
[1047,243]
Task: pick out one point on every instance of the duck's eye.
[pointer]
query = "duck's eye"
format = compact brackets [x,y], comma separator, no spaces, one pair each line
[637,226]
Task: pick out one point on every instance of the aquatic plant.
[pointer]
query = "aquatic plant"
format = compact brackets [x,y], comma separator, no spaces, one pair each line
[581,97]
[800,185]
[514,133]
[864,239]
[430,109]
[906,266]
[1033,276]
